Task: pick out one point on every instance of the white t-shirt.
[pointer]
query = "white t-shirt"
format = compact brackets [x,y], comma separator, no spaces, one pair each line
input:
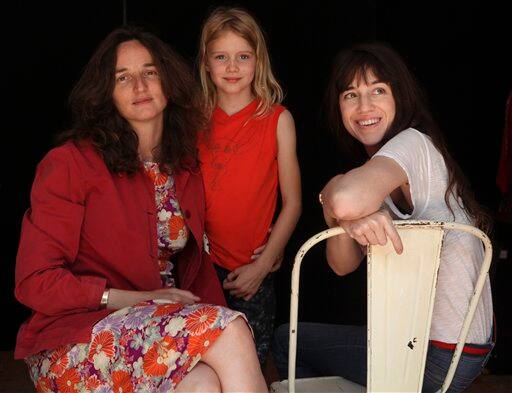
[461,253]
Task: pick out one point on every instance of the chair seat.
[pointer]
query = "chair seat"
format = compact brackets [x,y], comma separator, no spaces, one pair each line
[322,384]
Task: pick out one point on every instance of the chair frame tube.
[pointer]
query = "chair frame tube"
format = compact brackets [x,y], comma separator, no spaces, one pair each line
[294,301]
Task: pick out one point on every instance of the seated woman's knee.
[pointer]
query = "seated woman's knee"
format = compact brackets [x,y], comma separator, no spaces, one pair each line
[201,379]
[238,328]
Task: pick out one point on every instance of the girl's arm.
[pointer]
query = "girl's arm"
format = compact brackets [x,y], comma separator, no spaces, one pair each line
[353,201]
[245,281]
[289,185]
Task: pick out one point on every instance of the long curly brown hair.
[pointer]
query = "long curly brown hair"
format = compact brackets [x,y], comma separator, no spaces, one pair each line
[411,111]
[96,118]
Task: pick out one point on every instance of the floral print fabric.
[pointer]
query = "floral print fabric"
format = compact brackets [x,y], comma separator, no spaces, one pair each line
[171,228]
[149,347]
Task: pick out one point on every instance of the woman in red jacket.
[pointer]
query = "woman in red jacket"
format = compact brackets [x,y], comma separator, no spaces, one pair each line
[115,227]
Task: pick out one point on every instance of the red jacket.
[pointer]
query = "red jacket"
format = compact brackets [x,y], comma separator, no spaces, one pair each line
[87,230]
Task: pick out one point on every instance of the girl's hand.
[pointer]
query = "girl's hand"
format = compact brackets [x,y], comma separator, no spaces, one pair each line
[278,261]
[376,228]
[245,280]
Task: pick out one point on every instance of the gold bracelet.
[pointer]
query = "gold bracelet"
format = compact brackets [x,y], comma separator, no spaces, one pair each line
[104,299]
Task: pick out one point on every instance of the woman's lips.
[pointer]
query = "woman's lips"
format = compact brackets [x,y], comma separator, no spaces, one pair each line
[142,101]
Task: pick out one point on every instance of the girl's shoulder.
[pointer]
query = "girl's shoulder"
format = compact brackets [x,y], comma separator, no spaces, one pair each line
[277,113]
[278,109]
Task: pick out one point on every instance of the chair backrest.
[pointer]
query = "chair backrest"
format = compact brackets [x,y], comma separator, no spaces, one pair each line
[394,324]
[401,291]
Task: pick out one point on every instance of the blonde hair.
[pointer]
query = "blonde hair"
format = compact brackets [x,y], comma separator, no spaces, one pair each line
[264,85]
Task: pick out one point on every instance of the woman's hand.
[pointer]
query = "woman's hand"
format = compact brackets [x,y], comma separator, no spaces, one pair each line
[375,228]
[120,298]
[175,295]
[245,280]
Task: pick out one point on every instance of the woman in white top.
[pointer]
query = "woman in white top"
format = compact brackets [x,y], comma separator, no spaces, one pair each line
[402,170]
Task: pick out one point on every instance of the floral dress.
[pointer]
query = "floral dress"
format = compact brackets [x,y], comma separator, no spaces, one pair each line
[148,347]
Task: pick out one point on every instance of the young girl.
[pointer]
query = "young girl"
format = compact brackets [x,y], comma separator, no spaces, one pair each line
[400,162]
[248,151]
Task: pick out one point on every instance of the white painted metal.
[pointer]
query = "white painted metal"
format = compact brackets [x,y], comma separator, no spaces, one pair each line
[327,383]
[479,286]
[401,290]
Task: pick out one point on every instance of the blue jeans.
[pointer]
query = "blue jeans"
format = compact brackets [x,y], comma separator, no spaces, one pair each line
[324,350]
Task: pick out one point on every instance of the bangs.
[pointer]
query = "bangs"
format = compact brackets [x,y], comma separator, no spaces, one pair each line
[358,68]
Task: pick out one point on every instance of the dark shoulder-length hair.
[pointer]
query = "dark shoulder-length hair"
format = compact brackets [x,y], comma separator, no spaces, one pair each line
[411,111]
[97,120]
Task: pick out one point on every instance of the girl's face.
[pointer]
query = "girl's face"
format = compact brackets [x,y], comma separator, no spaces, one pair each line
[367,110]
[138,94]
[231,62]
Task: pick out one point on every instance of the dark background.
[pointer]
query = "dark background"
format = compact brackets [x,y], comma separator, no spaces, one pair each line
[457,50]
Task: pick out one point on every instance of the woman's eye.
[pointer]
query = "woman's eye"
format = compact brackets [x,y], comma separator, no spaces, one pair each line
[379,91]
[151,73]
[122,78]
[220,57]
[349,96]
[245,57]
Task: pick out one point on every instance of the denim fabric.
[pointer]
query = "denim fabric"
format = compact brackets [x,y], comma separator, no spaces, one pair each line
[438,362]
[260,311]
[324,350]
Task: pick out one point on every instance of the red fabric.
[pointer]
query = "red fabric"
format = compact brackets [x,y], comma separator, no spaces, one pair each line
[504,176]
[88,229]
[467,348]
[239,164]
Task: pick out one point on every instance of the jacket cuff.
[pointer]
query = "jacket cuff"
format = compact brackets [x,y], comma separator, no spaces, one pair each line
[93,291]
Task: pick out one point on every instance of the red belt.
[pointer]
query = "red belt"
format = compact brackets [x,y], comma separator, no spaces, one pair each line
[467,348]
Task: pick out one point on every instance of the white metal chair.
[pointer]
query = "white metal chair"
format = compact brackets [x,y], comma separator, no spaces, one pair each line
[397,341]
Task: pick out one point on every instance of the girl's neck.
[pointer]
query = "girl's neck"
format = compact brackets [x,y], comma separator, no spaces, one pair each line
[150,136]
[233,103]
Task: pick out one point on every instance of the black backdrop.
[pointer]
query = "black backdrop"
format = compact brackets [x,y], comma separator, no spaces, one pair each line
[456,49]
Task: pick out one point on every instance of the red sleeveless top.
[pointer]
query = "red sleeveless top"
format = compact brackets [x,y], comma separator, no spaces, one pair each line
[239,164]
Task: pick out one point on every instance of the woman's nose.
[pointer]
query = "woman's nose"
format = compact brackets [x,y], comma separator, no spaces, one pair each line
[365,103]
[139,83]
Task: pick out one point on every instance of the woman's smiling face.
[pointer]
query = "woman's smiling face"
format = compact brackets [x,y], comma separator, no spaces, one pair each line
[367,109]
